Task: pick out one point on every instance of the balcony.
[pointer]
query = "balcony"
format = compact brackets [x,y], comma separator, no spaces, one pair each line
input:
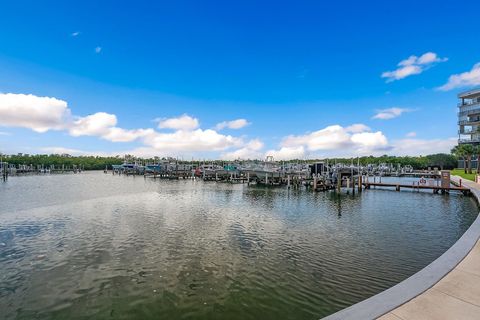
[468,103]
[469,122]
[473,112]
[468,131]
[469,140]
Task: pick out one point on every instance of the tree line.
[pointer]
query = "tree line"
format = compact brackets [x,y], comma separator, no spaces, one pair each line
[85,162]
[440,160]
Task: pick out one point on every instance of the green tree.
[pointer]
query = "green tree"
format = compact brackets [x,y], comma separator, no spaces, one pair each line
[442,160]
[469,151]
[459,152]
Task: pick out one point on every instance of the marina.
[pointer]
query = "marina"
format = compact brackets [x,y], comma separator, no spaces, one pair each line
[114,240]
[7,169]
[316,176]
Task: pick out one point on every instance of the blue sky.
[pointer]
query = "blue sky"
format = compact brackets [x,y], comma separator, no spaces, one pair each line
[295,79]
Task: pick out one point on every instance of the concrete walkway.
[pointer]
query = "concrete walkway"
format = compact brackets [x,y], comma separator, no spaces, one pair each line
[455,296]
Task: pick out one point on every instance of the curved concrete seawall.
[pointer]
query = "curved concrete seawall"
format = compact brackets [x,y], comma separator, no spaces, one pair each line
[448,288]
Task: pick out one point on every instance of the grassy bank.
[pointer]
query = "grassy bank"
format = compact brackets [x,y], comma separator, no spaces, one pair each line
[461,173]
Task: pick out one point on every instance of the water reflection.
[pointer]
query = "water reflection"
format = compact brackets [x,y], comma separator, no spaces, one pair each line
[138,248]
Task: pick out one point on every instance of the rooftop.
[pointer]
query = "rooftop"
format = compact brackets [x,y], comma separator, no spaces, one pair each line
[473,93]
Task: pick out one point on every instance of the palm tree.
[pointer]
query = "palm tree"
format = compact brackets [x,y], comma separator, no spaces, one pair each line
[459,152]
[469,151]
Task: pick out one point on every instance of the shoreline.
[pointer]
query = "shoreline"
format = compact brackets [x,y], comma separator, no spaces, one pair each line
[383,304]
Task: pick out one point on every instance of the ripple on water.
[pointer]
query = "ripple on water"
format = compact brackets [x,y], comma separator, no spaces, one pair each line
[118,247]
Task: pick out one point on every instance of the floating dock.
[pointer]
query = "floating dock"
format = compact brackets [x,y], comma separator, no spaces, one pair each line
[398,186]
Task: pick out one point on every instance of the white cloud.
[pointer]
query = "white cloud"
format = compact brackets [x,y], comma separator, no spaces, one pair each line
[234,124]
[3,133]
[390,113]
[415,147]
[43,113]
[369,143]
[358,127]
[430,57]
[37,113]
[184,122]
[96,124]
[331,137]
[401,73]
[357,138]
[75,34]
[287,153]
[411,134]
[191,141]
[465,79]
[187,138]
[250,151]
[413,65]
[103,125]
[116,134]
[98,49]
[366,141]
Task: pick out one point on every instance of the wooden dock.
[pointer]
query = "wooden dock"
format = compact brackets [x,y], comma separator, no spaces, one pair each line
[434,188]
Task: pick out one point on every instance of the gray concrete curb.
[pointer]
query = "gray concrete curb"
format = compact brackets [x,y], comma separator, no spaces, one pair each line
[415,285]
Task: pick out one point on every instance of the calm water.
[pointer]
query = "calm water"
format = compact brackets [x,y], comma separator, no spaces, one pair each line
[96,246]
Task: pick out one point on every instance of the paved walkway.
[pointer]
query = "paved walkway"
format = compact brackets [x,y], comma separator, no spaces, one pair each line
[455,296]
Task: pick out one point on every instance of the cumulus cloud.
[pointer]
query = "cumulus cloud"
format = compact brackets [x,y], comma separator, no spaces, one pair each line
[465,79]
[116,134]
[413,65]
[184,122]
[416,147]
[103,125]
[336,137]
[356,138]
[192,141]
[250,151]
[93,125]
[366,141]
[234,124]
[186,137]
[44,113]
[358,127]
[37,113]
[287,153]
[390,113]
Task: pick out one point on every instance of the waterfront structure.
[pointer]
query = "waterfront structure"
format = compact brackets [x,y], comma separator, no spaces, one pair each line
[469,117]
[469,121]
